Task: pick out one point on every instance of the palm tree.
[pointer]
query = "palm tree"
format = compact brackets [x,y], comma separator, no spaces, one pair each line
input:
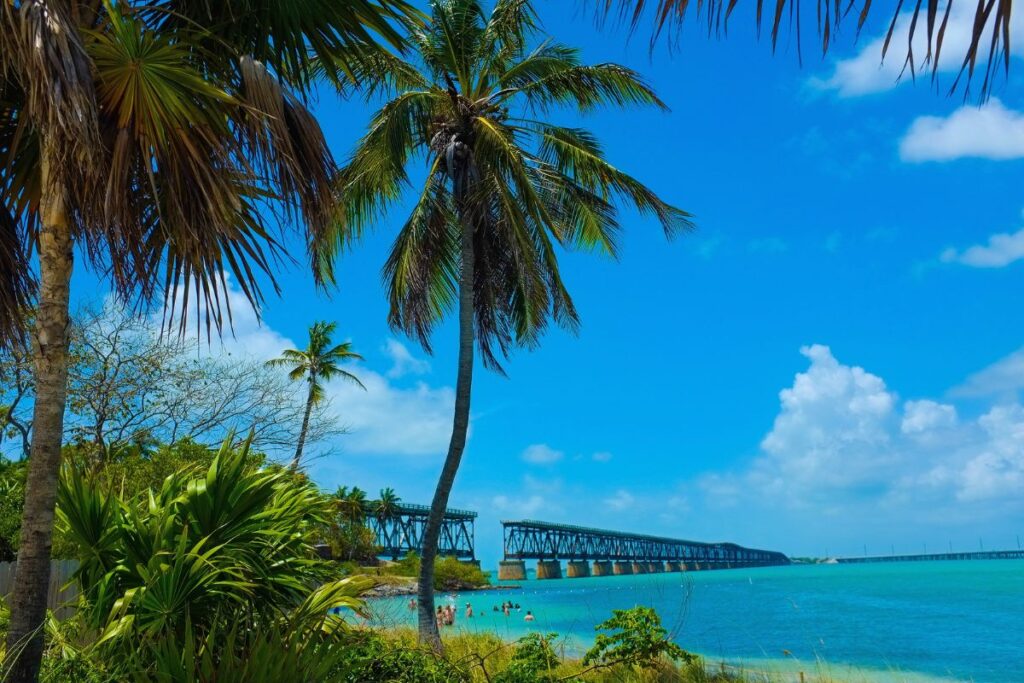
[503,191]
[318,362]
[989,32]
[387,505]
[156,140]
[355,505]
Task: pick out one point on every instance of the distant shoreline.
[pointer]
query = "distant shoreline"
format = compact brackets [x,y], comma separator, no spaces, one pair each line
[394,589]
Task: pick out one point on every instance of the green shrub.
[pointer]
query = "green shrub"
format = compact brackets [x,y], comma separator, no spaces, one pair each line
[370,656]
[219,566]
[450,573]
[637,638]
[534,659]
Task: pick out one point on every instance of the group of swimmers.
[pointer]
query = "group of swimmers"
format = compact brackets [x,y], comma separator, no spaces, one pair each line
[445,615]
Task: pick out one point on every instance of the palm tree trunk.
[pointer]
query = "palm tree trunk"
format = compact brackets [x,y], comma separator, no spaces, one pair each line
[305,424]
[428,632]
[32,577]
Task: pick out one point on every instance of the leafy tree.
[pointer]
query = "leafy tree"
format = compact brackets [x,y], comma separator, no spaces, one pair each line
[114,404]
[503,191]
[989,32]
[319,362]
[637,639]
[157,140]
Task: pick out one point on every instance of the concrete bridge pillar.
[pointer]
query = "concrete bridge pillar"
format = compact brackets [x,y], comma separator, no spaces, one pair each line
[639,567]
[672,567]
[622,568]
[696,566]
[602,568]
[577,569]
[654,567]
[549,569]
[512,570]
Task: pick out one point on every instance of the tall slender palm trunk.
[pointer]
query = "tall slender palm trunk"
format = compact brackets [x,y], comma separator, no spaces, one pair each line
[50,342]
[428,632]
[305,424]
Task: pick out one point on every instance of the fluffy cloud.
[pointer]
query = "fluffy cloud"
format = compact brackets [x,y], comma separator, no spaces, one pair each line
[541,454]
[402,361]
[246,336]
[524,507]
[601,456]
[867,73]
[843,442]
[990,132]
[926,417]
[1001,250]
[388,419]
[1002,379]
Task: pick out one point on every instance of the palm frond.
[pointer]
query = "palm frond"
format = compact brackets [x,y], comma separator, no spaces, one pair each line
[991,24]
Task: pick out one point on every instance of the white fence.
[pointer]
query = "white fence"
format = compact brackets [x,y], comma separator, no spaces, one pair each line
[62,594]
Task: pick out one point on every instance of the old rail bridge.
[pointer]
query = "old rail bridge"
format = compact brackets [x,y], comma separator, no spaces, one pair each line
[615,552]
[401,531]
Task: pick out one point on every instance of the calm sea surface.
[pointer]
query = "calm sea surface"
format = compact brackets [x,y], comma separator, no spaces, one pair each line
[922,621]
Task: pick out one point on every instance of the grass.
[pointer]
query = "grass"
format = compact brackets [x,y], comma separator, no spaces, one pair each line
[485,657]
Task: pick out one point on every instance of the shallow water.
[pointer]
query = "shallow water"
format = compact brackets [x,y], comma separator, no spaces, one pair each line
[915,621]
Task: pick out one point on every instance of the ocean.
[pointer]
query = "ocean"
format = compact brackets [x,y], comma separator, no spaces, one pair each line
[918,622]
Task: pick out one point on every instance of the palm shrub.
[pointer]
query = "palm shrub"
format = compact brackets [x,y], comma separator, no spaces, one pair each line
[212,571]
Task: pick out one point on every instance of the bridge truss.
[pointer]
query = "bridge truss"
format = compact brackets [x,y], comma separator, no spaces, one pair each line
[402,532]
[534,540]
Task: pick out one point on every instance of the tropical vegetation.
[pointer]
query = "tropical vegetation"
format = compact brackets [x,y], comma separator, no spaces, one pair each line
[125,127]
[319,362]
[505,188]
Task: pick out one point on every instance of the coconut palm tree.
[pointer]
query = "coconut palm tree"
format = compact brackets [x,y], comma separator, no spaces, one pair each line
[387,505]
[158,141]
[923,25]
[351,504]
[505,188]
[319,362]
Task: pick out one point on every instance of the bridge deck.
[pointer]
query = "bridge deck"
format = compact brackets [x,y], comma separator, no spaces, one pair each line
[931,557]
[531,539]
[400,533]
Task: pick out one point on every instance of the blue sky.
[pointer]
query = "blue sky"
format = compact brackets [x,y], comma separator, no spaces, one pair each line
[832,359]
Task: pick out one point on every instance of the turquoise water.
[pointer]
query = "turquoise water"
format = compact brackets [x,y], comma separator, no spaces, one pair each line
[920,621]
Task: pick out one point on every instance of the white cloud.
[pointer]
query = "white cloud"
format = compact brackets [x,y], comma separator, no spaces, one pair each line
[925,416]
[620,500]
[246,336]
[1001,250]
[390,420]
[843,444]
[1004,379]
[402,361]
[601,456]
[989,132]
[524,507]
[867,73]
[541,454]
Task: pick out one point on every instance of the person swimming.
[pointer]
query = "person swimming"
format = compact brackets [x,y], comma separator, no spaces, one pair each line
[529,616]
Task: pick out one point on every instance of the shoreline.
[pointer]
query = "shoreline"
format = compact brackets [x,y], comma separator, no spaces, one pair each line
[411,588]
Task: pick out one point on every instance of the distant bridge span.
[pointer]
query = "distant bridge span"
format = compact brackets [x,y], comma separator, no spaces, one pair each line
[401,532]
[616,552]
